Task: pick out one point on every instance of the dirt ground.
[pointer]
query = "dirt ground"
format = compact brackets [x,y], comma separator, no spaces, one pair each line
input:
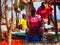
[58,25]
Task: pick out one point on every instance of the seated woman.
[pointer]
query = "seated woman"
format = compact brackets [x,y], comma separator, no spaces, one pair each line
[23,23]
[34,23]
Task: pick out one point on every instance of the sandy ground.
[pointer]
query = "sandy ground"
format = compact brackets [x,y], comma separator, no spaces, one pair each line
[58,25]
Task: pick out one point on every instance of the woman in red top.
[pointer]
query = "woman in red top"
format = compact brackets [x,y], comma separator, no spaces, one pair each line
[34,23]
[43,12]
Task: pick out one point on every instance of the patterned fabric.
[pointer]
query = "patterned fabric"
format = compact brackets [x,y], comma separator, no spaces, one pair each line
[23,22]
[34,26]
[33,31]
[34,21]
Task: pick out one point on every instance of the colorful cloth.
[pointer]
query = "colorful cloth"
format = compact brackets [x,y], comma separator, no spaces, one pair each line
[34,27]
[34,21]
[34,38]
[23,22]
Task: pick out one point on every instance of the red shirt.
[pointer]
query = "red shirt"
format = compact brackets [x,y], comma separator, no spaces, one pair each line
[33,21]
[42,12]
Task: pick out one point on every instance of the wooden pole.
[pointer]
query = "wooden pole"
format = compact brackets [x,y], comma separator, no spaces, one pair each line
[55,18]
[6,13]
[11,26]
[27,9]
[6,16]
[12,16]
[0,19]
[29,4]
[17,4]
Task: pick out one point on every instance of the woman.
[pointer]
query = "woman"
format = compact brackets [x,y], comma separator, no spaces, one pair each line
[34,23]
[23,23]
[44,14]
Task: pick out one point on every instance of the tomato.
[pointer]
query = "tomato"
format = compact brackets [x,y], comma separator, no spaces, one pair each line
[13,42]
[0,43]
[4,43]
[16,42]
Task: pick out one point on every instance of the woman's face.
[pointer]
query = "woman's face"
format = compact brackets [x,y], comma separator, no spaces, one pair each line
[43,6]
[24,17]
[33,12]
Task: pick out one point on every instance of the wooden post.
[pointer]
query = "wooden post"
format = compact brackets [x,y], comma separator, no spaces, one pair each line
[6,13]
[12,16]
[55,18]
[17,4]
[29,4]
[0,19]
[27,8]
[11,26]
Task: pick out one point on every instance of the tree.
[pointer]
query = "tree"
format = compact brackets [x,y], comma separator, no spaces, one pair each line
[29,4]
[11,25]
[6,13]
[0,19]
[17,4]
